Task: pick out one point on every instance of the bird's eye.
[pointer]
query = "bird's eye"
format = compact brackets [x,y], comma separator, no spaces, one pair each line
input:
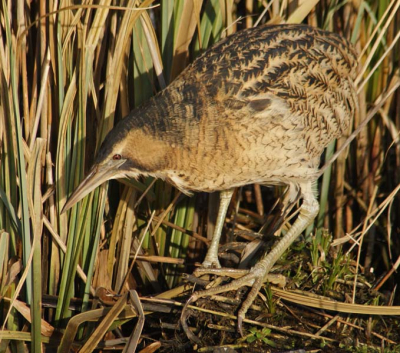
[117,157]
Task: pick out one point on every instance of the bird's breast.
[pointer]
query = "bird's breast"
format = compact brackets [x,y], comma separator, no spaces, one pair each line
[243,150]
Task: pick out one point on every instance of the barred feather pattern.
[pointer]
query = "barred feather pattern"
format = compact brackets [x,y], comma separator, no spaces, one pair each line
[258,107]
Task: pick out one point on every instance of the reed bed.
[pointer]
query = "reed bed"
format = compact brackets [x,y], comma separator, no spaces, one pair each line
[68,72]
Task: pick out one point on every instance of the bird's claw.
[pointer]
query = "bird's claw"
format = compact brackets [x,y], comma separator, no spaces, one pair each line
[252,279]
[184,316]
[239,325]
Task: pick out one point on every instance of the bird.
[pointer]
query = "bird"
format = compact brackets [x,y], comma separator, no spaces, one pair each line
[260,106]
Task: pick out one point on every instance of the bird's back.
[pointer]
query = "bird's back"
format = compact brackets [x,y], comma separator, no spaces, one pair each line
[259,106]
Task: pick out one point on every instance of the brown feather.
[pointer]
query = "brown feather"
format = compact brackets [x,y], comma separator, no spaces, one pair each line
[258,107]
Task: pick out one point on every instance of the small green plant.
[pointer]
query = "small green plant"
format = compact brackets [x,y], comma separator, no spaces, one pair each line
[270,301]
[331,269]
[337,268]
[320,246]
[257,335]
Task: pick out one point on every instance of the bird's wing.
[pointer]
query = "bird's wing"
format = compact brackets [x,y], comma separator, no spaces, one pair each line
[305,71]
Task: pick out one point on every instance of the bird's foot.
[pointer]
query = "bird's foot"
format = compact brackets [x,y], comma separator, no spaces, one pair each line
[253,278]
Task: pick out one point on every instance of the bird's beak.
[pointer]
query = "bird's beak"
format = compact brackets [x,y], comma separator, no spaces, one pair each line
[97,176]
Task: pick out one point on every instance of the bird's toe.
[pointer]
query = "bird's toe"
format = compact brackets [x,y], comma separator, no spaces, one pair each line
[184,318]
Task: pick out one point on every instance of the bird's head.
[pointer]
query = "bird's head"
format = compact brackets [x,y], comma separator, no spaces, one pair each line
[125,152]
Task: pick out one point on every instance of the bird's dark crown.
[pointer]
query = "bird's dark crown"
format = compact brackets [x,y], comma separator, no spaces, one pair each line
[142,151]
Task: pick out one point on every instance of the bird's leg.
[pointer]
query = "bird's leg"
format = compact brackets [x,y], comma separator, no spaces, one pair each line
[211,259]
[258,274]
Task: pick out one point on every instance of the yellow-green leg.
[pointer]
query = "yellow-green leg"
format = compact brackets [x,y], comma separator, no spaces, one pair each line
[259,273]
[211,259]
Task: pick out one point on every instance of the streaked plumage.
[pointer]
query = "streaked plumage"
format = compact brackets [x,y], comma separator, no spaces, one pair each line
[258,107]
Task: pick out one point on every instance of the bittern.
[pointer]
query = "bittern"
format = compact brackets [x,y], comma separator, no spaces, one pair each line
[258,107]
